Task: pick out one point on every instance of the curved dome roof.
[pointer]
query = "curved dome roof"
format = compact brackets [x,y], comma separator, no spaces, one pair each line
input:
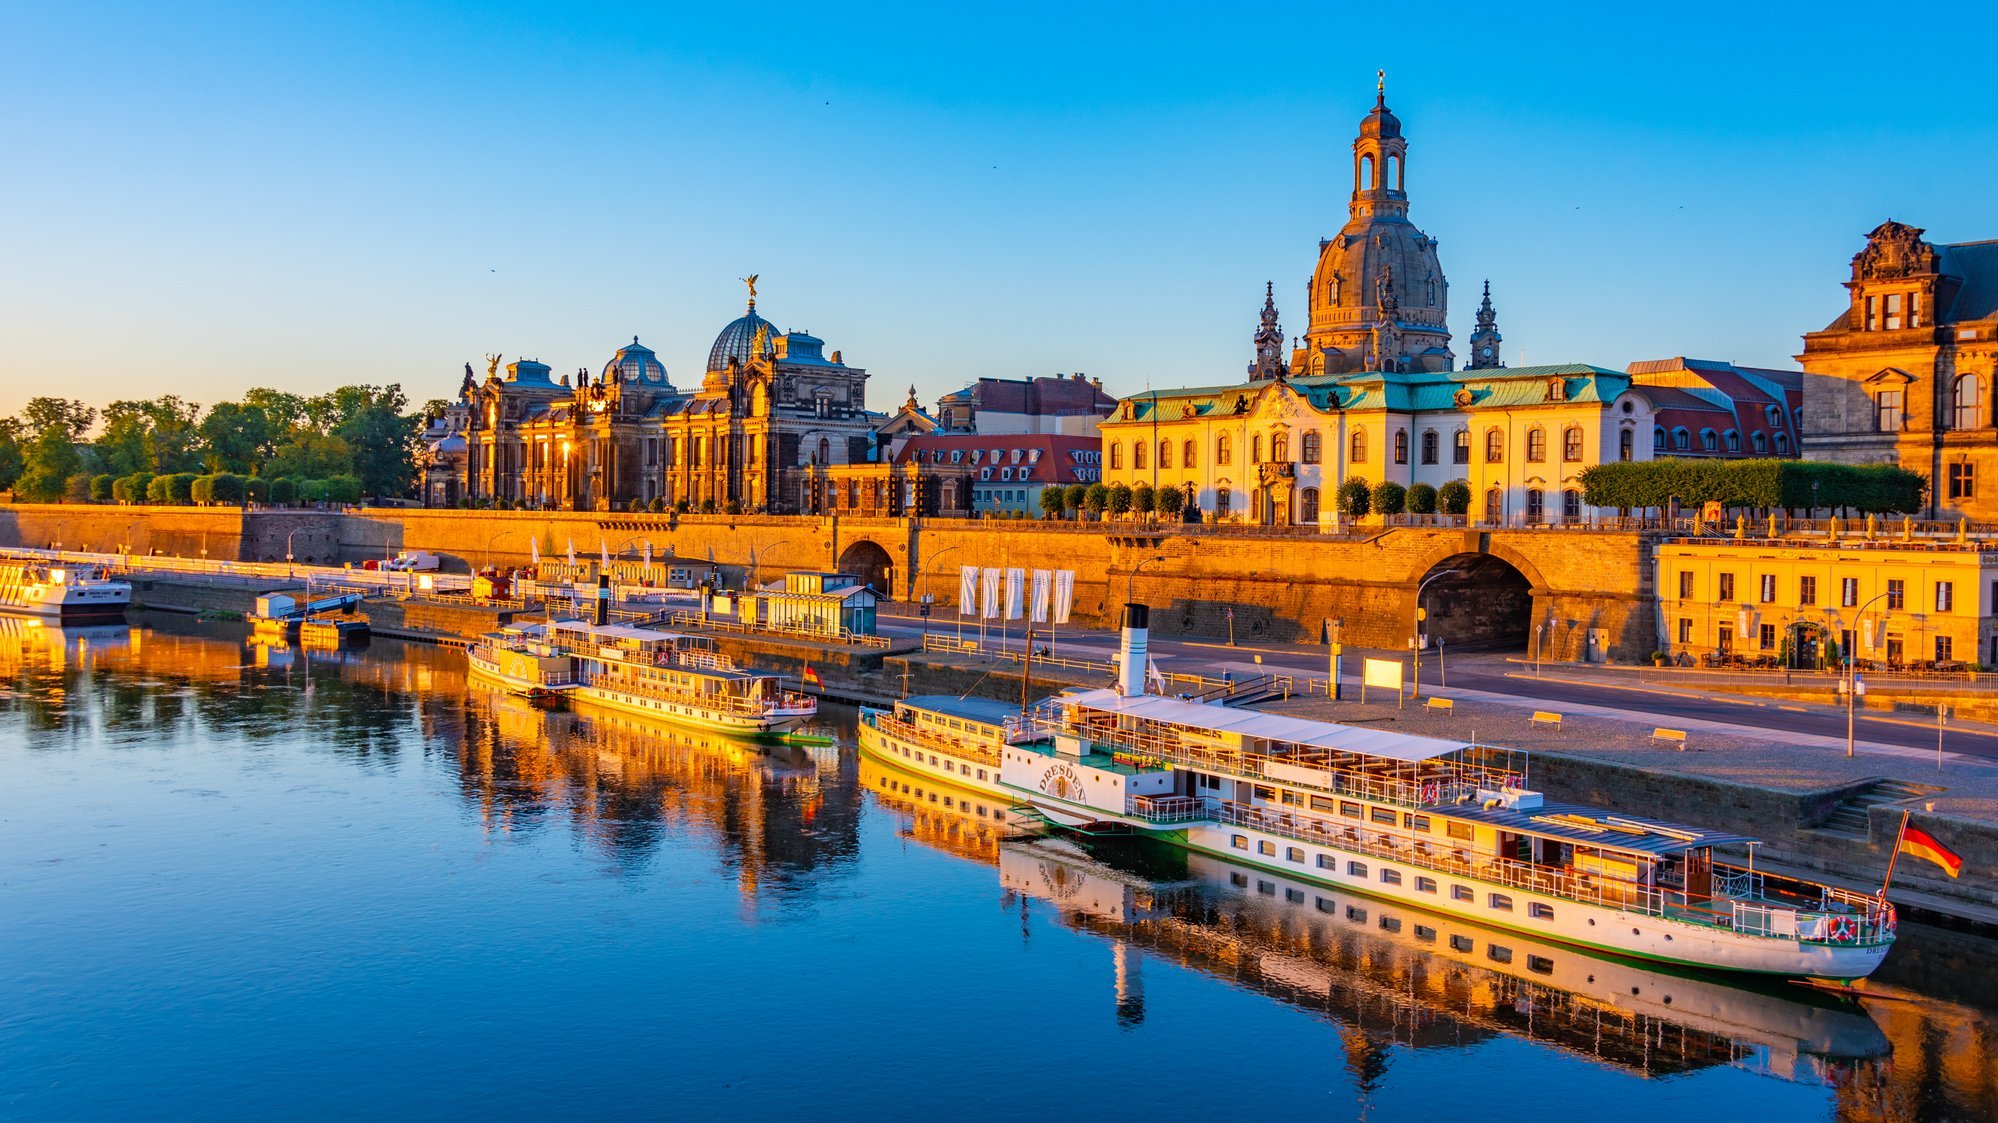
[1381,121]
[738,338]
[635,363]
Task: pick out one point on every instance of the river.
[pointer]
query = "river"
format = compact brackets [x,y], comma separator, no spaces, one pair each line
[244,882]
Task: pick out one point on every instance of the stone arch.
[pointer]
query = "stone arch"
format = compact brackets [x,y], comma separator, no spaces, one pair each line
[1488,602]
[869,561]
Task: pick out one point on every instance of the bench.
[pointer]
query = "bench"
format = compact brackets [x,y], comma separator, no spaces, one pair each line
[1442,705]
[1674,736]
[1544,717]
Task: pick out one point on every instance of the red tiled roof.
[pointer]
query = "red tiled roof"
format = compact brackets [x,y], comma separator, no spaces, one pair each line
[1056,450]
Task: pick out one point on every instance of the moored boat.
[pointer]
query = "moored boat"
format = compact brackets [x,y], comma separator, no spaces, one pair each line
[61,590]
[956,740]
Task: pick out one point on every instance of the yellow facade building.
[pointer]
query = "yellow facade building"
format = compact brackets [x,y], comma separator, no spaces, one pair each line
[1884,600]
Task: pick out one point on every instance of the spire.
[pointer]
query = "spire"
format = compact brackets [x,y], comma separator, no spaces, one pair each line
[1380,89]
[1269,340]
[912,404]
[1487,319]
[1485,337]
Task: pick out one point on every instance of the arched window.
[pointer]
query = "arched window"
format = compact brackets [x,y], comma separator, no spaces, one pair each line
[825,451]
[1682,439]
[1307,506]
[1116,455]
[1256,449]
[1391,176]
[1536,445]
[1494,506]
[1429,446]
[1311,446]
[1709,441]
[1571,444]
[1494,446]
[1967,402]
[1626,445]
[1223,453]
[1460,453]
[1733,440]
[1165,454]
[1359,442]
[1759,442]
[1138,454]
[1187,455]
[1280,448]
[1571,504]
[1536,506]
[1401,446]
[1367,172]
[1658,438]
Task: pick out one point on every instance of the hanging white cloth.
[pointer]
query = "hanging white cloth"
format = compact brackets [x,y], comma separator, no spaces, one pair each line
[1043,589]
[988,587]
[1016,580]
[967,590]
[1064,594]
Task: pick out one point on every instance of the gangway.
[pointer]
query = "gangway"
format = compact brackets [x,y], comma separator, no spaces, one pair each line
[282,613]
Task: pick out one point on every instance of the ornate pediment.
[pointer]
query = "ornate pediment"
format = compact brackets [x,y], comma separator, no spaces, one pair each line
[1462,398]
[1891,376]
[1894,250]
[1277,402]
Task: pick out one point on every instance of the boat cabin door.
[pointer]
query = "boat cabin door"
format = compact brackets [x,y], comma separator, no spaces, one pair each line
[1699,874]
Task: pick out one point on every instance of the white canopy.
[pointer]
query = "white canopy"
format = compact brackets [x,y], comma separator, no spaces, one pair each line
[1274,727]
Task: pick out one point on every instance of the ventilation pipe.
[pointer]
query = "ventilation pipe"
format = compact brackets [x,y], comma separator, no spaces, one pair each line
[1134,657]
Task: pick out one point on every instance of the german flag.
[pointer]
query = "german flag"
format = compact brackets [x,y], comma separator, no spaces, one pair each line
[812,677]
[1921,844]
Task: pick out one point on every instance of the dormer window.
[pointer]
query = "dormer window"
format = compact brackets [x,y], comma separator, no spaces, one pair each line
[1034,457]
[956,456]
[985,473]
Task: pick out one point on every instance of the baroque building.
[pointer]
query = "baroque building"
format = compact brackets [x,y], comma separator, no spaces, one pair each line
[772,412]
[1905,373]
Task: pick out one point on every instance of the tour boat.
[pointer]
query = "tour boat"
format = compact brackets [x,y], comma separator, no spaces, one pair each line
[956,740]
[669,676]
[1447,826]
[65,591]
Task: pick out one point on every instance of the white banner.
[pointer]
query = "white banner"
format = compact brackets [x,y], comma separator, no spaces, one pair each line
[603,551]
[1382,672]
[1064,594]
[648,553]
[572,551]
[1043,586]
[534,549]
[1016,580]
[967,590]
[988,586]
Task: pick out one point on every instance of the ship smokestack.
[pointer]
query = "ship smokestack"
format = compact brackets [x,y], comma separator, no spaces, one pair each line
[603,599]
[1134,657]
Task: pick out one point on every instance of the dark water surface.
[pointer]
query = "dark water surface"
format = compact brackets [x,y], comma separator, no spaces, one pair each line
[237,882]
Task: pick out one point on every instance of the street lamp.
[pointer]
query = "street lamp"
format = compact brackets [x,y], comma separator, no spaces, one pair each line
[1131,580]
[1851,677]
[1415,642]
[929,575]
[488,551]
[288,554]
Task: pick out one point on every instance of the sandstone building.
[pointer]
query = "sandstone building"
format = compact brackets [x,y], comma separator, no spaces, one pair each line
[1906,372]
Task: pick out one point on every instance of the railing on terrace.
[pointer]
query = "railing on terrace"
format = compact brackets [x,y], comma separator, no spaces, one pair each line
[1865,923]
[1194,687]
[943,743]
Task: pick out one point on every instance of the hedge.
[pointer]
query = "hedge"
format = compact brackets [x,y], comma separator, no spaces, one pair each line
[103,487]
[1764,484]
[132,488]
[284,491]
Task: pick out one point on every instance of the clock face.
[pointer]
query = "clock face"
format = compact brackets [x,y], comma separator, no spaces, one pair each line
[1485,352]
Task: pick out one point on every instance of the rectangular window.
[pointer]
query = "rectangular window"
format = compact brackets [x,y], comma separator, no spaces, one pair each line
[1390,877]
[1240,880]
[1356,914]
[1807,591]
[1685,629]
[1462,943]
[1425,884]
[1498,954]
[1356,869]
[1539,965]
[1349,810]
[1726,590]
[1416,822]
[1460,831]
[1266,847]
[1945,595]
[1499,901]
[1766,634]
[1685,584]
[1264,792]
[1540,911]
[1963,481]
[1239,842]
[1893,315]
[1390,924]
[1889,412]
[1381,815]
[1327,904]
[1896,595]
[1872,313]
[1327,862]
[1321,803]
[1945,649]
[1425,933]
[1462,893]
[1294,854]
[1768,588]
[1266,888]
[1848,591]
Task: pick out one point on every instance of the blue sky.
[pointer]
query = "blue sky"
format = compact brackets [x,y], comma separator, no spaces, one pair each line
[198,198]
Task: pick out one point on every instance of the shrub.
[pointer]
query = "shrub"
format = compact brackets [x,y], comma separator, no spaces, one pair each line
[1454,498]
[76,488]
[317,491]
[1170,501]
[132,488]
[732,507]
[343,489]
[1144,500]
[230,489]
[502,505]
[257,489]
[203,491]
[177,488]
[1865,488]
[635,505]
[707,506]
[1355,497]
[1421,500]
[1390,498]
[657,505]
[682,506]
[1052,501]
[1120,499]
[102,488]
[284,491]
[1095,498]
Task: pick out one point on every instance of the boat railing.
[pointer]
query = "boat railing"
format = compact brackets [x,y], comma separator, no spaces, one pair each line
[943,743]
[712,700]
[1169,808]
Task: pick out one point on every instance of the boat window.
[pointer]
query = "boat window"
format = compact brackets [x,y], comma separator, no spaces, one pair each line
[1382,815]
[1460,830]
[1327,904]
[1540,911]
[1416,822]
[1349,810]
[1292,798]
[1294,854]
[1500,901]
[1266,847]
[1294,896]
[1425,885]
[1356,913]
[1540,964]
[1462,943]
[1327,862]
[1266,888]
[1498,954]
[1321,803]
[1239,841]
[1264,791]
[1390,924]
[1424,932]
[1390,877]
[981,774]
[1356,869]
[1462,893]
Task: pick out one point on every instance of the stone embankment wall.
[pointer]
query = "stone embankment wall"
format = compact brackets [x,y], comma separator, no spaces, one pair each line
[1280,587]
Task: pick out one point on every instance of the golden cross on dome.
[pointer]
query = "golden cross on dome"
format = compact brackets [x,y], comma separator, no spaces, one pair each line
[1380,84]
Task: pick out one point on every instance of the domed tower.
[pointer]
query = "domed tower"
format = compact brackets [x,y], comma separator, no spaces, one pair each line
[1269,341]
[1485,338]
[638,366]
[1378,300]
[740,339]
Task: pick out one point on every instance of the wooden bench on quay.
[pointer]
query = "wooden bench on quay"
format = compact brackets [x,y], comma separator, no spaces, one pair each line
[1441,705]
[1544,717]
[1674,737]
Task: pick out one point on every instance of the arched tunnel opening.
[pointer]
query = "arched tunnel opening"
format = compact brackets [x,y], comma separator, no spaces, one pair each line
[869,562]
[1477,602]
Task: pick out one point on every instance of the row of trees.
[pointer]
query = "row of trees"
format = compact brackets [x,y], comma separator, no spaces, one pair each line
[225,488]
[364,433]
[1115,499]
[1357,497]
[1759,484]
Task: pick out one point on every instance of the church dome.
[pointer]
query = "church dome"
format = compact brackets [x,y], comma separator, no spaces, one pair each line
[635,363]
[738,339]
[1381,122]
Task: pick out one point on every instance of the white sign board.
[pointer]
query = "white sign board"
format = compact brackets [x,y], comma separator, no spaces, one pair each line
[1382,672]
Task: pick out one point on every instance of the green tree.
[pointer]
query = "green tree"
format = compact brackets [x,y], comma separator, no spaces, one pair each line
[158,435]
[12,457]
[50,459]
[1355,497]
[132,488]
[284,491]
[315,456]
[344,489]
[1073,495]
[1390,498]
[42,414]
[228,488]
[1454,498]
[257,489]
[1051,501]
[1421,500]
[236,438]
[382,436]
[203,490]
[1120,499]
[1143,499]
[314,491]
[76,489]
[101,488]
[1095,498]
[284,413]
[1171,501]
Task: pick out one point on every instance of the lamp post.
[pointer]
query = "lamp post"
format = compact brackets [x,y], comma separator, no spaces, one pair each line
[1131,579]
[929,575]
[1415,641]
[488,551]
[1851,668]
[287,553]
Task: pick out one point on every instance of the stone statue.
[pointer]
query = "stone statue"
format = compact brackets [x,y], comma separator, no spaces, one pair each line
[492,365]
[1872,525]
[1772,524]
[1740,527]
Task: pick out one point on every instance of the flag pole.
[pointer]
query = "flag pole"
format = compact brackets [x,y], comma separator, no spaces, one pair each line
[1895,855]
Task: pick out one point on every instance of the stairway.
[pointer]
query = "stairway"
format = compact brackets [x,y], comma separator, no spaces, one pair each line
[1850,820]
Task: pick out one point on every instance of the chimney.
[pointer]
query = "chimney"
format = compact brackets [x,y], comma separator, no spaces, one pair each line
[1134,655]
[603,599]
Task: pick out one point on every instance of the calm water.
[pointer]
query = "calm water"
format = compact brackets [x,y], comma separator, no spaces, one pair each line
[243,883]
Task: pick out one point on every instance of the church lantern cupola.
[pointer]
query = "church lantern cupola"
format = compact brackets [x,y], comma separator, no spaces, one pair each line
[1380,160]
